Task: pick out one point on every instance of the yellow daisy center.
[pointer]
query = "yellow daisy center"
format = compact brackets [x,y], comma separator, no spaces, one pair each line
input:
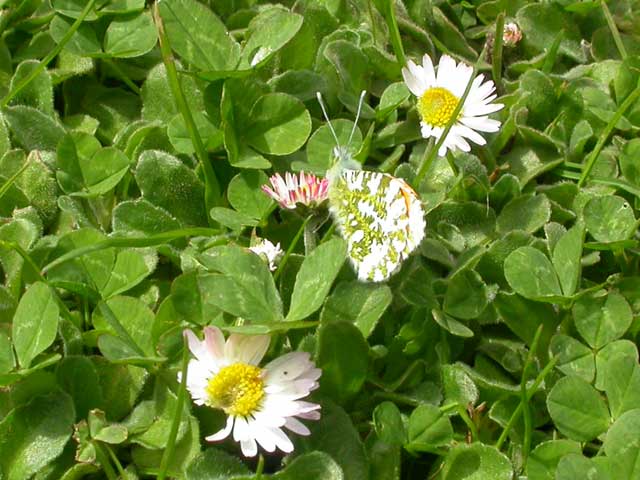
[237,389]
[436,105]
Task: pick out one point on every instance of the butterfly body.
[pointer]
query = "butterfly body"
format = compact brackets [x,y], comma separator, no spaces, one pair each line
[380,217]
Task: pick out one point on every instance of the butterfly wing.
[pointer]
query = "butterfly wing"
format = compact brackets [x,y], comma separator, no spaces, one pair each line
[380,217]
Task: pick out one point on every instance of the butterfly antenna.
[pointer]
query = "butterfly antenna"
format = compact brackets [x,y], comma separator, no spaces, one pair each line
[355,124]
[326,117]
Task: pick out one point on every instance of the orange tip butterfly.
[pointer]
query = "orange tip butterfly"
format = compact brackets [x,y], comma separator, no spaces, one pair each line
[380,216]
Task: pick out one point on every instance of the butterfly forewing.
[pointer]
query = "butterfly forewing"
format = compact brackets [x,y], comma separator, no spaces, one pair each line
[381,219]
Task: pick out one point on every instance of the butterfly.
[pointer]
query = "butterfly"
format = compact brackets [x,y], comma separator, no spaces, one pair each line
[379,215]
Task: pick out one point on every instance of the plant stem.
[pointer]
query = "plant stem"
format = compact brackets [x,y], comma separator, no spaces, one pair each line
[212,186]
[291,248]
[530,392]
[467,420]
[259,468]
[614,30]
[177,415]
[104,462]
[394,32]
[526,411]
[496,56]
[593,156]
[123,76]
[50,56]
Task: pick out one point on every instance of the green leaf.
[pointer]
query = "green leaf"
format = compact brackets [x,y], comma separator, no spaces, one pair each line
[78,376]
[198,36]
[360,303]
[531,274]
[38,93]
[545,457]
[567,256]
[429,429]
[451,325]
[244,194]
[334,434]
[267,33]
[574,358]
[600,318]
[622,384]
[311,466]
[72,8]
[136,319]
[388,424]
[7,361]
[131,36]
[104,171]
[574,466]
[466,295]
[33,129]
[167,183]
[244,287]
[321,145]
[280,124]
[623,434]
[130,268]
[476,462]
[609,219]
[34,434]
[83,42]
[458,386]
[608,352]
[577,409]
[35,323]
[343,369]
[140,217]
[315,277]
[214,464]
[527,212]
[540,23]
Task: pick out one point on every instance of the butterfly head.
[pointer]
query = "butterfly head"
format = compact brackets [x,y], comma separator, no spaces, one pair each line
[342,154]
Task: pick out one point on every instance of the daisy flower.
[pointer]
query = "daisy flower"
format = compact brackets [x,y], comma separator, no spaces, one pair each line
[259,402]
[304,188]
[438,96]
[270,252]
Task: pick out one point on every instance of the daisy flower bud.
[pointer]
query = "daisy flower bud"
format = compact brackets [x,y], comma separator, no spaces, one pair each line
[511,34]
[303,188]
[438,96]
[270,252]
[259,401]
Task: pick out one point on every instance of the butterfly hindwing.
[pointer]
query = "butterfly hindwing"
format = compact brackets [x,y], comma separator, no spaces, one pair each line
[380,217]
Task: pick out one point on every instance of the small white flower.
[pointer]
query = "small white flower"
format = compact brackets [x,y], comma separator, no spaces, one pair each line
[511,34]
[438,95]
[258,401]
[270,252]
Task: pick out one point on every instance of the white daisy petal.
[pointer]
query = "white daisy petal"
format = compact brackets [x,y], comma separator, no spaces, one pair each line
[446,70]
[214,342]
[297,426]
[429,71]
[484,124]
[223,433]
[241,431]
[414,84]
[480,109]
[470,134]
[249,447]
[246,348]
[281,440]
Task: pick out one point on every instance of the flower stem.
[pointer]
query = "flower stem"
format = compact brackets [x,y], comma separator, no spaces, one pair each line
[496,56]
[50,56]
[103,459]
[177,414]
[530,392]
[212,186]
[259,468]
[591,160]
[615,33]
[291,248]
[431,153]
[524,400]
[467,420]
[394,32]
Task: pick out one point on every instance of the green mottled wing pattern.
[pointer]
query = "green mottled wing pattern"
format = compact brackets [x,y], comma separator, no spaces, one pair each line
[380,217]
